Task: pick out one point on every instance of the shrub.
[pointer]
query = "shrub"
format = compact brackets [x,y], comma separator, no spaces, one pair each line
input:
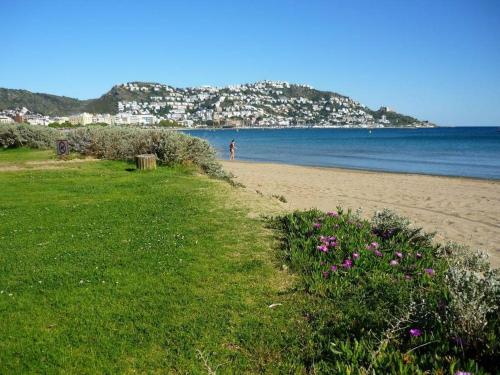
[472,313]
[64,125]
[463,257]
[385,299]
[169,124]
[115,143]
[23,135]
[473,299]
[387,224]
[170,147]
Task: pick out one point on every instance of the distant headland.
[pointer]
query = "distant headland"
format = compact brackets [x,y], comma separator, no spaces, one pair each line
[260,104]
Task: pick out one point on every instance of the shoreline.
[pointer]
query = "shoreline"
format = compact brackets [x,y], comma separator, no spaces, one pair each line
[362,170]
[452,152]
[311,127]
[459,209]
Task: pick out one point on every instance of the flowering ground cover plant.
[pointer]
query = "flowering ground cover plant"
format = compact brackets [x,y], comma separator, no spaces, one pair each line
[385,298]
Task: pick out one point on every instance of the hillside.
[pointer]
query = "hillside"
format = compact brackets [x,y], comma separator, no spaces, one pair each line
[46,104]
[54,105]
[266,103]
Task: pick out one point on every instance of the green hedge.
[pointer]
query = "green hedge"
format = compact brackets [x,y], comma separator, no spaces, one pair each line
[22,135]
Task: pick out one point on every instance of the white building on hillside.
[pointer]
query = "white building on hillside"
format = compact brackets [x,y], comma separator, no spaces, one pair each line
[37,120]
[105,118]
[6,120]
[130,119]
[81,119]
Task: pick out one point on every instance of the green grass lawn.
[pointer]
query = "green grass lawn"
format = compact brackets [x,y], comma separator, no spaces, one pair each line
[103,270]
[23,155]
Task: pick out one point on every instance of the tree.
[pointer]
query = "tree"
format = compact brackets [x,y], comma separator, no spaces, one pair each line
[169,124]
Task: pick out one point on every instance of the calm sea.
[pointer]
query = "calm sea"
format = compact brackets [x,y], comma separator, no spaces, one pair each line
[460,151]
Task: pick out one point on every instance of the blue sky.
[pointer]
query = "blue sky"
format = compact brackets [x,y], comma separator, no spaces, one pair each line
[435,59]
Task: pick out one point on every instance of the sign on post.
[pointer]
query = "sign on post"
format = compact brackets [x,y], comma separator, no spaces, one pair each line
[62,146]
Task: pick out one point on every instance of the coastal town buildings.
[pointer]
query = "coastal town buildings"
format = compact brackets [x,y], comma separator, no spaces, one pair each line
[260,104]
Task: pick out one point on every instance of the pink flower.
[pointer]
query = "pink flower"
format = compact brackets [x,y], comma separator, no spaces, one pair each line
[378,253]
[333,268]
[347,264]
[399,255]
[407,277]
[326,274]
[317,225]
[418,255]
[430,271]
[393,262]
[415,332]
[322,248]
[372,246]
[333,213]
[328,241]
[463,373]
[355,256]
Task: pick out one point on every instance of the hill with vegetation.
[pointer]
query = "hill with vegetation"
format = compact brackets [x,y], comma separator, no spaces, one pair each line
[47,104]
[266,103]
[55,105]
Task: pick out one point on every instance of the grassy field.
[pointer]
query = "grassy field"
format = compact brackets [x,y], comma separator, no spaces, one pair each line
[107,270]
[21,156]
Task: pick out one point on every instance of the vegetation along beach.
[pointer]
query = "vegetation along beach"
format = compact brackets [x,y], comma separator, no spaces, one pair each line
[183,269]
[458,209]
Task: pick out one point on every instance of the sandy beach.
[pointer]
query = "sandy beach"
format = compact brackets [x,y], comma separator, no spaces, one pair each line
[459,209]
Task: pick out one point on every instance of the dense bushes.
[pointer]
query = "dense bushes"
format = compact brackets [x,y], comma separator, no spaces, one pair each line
[170,147]
[384,299]
[115,143]
[13,135]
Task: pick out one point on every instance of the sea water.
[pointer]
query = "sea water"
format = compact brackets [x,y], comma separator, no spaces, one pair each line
[450,151]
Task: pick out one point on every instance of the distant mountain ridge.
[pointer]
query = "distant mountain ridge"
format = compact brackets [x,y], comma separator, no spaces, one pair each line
[273,101]
[55,105]
[46,104]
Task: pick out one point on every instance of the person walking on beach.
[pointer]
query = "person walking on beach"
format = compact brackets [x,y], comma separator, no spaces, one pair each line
[232,148]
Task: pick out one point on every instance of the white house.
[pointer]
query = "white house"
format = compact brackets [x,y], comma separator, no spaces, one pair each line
[81,119]
[5,120]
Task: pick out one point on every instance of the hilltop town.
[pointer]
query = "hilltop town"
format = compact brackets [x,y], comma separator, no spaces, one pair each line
[260,104]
